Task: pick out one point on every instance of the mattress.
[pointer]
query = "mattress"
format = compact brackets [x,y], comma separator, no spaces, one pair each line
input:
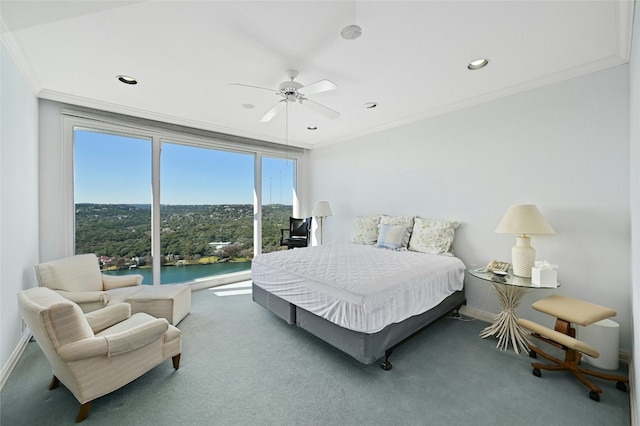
[359,287]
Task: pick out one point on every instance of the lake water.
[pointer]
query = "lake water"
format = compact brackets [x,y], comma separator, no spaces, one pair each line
[179,274]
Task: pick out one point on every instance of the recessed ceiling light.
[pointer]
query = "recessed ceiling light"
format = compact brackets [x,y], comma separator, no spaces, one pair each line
[312,127]
[370,105]
[248,106]
[351,32]
[477,64]
[126,79]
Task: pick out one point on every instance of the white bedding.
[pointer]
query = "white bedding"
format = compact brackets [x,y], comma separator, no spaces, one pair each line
[359,287]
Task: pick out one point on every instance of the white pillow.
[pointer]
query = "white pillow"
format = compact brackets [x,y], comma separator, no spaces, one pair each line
[433,236]
[365,229]
[406,221]
[392,236]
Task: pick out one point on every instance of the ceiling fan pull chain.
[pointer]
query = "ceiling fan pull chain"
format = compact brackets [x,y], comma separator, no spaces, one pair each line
[286,132]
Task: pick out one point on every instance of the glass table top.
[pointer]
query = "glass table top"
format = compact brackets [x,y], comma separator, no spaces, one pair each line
[508,279]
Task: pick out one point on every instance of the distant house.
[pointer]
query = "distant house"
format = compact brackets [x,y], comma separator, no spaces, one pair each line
[220,244]
[139,261]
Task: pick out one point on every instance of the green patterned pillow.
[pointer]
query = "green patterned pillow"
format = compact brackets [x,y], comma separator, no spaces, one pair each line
[365,229]
[433,236]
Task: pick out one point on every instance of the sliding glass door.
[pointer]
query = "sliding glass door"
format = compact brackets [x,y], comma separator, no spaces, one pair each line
[206,212]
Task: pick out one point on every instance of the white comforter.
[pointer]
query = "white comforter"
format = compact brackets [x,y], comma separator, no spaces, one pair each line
[359,287]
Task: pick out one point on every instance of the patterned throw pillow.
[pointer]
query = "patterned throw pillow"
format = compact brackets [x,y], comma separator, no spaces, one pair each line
[365,229]
[392,236]
[406,221]
[433,236]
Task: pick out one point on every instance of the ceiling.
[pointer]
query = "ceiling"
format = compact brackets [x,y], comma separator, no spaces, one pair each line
[411,59]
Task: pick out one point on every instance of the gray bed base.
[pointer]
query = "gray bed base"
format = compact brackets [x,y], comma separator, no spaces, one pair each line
[366,348]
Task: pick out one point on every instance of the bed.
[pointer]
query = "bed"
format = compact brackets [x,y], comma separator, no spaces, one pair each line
[362,299]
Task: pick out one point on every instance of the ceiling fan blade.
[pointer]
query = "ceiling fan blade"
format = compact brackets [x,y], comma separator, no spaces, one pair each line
[318,86]
[326,111]
[255,87]
[273,111]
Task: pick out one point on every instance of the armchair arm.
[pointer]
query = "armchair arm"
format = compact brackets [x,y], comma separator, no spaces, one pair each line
[80,297]
[136,337]
[83,349]
[109,315]
[282,231]
[109,282]
[114,344]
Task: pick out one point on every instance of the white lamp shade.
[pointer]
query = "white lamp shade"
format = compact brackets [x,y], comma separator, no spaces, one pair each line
[322,209]
[524,219]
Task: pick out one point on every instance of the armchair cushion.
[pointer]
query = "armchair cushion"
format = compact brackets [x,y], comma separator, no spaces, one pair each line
[108,316]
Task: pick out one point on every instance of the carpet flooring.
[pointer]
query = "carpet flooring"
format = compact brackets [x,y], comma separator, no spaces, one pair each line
[241,365]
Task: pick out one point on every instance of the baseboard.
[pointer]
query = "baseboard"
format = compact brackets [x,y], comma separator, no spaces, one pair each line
[7,369]
[632,396]
[623,355]
[218,280]
[477,314]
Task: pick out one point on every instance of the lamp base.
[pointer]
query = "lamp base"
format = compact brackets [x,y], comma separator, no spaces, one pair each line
[523,257]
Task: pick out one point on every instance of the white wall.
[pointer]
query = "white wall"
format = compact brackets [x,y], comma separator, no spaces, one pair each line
[18,201]
[634,73]
[53,238]
[564,147]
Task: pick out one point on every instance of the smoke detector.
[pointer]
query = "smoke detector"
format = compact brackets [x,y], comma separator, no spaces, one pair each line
[351,32]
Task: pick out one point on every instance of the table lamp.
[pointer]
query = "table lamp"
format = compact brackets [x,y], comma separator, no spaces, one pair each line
[523,219]
[321,210]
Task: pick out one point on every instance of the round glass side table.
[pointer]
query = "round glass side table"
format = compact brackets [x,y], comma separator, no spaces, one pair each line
[510,290]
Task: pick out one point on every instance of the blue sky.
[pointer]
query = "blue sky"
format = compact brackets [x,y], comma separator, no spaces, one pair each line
[117,170]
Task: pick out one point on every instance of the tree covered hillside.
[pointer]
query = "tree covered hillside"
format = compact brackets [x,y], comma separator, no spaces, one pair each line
[124,230]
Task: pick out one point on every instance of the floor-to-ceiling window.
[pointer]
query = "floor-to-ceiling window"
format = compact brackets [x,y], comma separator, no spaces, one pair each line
[176,209]
[112,197]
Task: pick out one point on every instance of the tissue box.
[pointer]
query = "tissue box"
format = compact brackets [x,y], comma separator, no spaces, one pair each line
[544,275]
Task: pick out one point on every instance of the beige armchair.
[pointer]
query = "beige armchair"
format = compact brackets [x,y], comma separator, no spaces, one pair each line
[78,278]
[96,353]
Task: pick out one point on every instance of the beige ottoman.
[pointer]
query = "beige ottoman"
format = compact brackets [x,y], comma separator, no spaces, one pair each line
[170,301]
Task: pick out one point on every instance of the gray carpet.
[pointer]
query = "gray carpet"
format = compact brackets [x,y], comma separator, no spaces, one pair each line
[241,365]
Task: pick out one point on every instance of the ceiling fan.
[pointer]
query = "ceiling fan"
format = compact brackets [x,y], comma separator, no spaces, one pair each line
[292,91]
